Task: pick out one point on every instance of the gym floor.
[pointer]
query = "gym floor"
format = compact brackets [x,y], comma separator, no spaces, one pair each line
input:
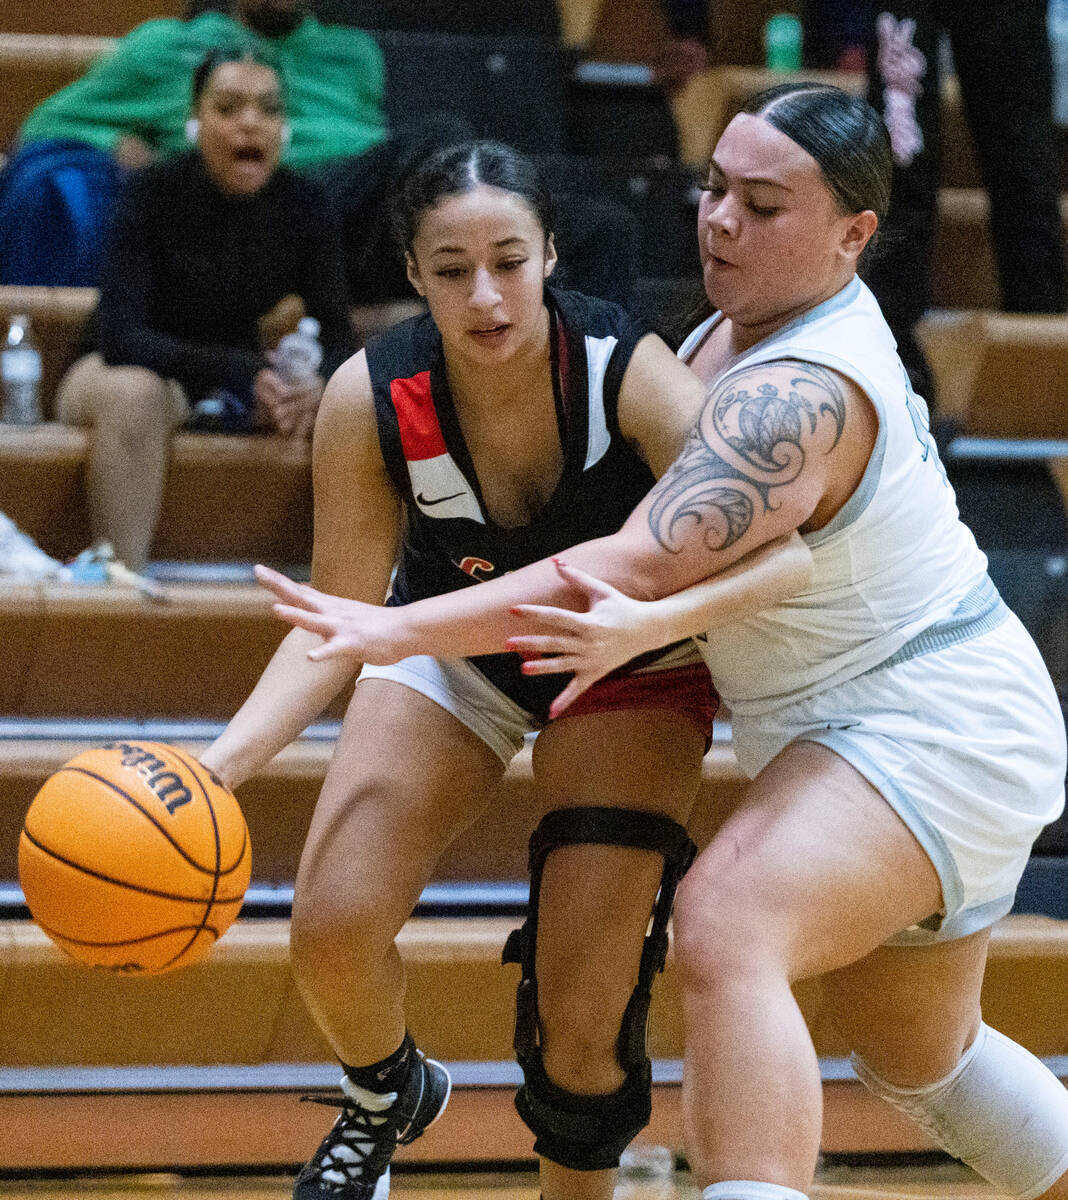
[926,1181]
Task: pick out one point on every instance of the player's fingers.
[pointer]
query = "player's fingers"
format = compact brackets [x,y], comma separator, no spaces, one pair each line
[289,592]
[563,619]
[275,581]
[331,649]
[540,643]
[552,665]
[304,619]
[590,584]
[570,694]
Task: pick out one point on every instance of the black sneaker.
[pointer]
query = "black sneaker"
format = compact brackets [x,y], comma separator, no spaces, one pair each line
[353,1161]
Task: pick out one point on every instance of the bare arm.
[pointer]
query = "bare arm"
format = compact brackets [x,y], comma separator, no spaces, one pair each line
[767,447]
[660,400]
[357,521]
[630,627]
[614,627]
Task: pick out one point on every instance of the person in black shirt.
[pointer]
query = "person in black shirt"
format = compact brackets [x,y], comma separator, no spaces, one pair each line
[208,251]
[511,417]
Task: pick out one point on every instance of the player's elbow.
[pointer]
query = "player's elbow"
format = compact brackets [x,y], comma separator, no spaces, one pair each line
[645,573]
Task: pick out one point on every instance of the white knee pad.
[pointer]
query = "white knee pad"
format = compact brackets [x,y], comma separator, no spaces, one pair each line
[747,1189]
[999,1110]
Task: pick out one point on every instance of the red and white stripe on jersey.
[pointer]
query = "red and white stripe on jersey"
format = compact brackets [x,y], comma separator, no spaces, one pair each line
[439,486]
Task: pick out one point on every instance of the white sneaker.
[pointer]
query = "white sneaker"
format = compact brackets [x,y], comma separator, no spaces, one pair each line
[98,564]
[22,558]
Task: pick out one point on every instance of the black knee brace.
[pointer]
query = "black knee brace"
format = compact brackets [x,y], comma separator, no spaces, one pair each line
[589,1133]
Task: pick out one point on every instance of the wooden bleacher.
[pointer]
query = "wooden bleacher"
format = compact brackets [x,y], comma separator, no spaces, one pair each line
[34,65]
[278,807]
[226,498]
[87,650]
[240,1008]
[1000,375]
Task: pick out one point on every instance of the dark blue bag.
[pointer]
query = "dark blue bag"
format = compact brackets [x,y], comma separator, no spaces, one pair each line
[56,197]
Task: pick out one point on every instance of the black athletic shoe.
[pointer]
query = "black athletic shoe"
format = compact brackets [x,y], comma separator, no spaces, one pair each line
[353,1161]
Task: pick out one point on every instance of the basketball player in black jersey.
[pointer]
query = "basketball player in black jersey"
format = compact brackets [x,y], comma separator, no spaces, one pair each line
[508,423]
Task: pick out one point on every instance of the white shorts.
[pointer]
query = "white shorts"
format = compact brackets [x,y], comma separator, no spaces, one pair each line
[676,679]
[461,689]
[966,744]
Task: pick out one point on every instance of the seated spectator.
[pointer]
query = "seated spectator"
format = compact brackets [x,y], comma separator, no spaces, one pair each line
[208,250]
[132,104]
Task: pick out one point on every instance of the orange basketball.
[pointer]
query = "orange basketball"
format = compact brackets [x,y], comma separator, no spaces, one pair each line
[134,858]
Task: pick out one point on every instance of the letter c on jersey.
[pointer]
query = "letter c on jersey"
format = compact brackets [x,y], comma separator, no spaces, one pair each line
[478,567]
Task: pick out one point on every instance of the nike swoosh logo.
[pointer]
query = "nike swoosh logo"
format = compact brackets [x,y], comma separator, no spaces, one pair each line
[421,499]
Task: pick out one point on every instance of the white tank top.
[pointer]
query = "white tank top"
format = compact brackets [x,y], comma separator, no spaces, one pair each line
[894,561]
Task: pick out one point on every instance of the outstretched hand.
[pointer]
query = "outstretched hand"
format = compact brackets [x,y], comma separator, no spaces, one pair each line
[348,628]
[613,629]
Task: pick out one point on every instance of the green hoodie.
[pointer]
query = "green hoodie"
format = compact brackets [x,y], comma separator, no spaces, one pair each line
[333,77]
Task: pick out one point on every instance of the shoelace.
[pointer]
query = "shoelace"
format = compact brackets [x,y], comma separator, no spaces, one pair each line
[351,1144]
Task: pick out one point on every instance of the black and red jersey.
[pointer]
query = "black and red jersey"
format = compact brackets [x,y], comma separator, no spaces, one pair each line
[451,540]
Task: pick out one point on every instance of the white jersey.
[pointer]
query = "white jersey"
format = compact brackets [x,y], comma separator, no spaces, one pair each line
[895,561]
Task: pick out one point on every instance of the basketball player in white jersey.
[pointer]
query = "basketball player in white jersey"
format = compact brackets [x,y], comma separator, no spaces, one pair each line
[902,735]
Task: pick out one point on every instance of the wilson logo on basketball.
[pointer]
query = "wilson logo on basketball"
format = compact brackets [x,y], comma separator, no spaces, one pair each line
[165,784]
[479,568]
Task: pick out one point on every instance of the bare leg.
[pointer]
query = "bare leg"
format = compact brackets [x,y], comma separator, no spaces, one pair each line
[132,413]
[596,900]
[883,1005]
[812,871]
[406,778]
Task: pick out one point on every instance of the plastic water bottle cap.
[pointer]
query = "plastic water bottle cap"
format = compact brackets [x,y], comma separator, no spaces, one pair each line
[18,329]
[782,43]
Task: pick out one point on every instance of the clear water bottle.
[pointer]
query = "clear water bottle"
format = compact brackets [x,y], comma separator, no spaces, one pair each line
[299,354]
[1057,16]
[20,374]
[646,1173]
[782,42]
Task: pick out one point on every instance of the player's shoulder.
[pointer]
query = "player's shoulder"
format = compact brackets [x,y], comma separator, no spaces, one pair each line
[349,388]
[783,376]
[347,441]
[403,349]
[594,316]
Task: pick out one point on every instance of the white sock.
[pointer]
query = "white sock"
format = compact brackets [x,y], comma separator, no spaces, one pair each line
[748,1189]
[365,1098]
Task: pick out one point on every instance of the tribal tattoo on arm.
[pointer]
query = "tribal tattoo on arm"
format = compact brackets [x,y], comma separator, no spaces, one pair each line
[762,421]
